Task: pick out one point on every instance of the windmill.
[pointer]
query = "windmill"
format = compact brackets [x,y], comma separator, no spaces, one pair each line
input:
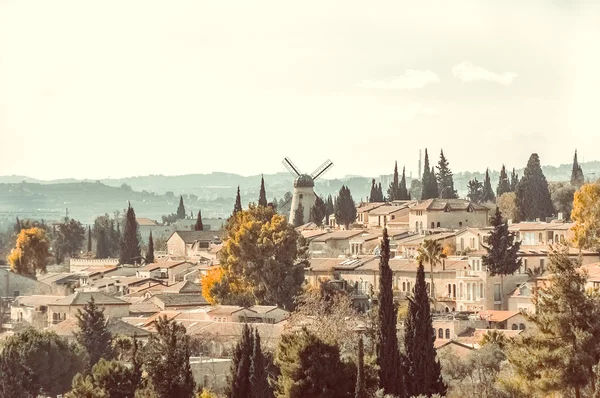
[304,187]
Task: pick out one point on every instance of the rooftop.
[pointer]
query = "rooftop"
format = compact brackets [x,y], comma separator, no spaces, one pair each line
[193,236]
[437,204]
[82,298]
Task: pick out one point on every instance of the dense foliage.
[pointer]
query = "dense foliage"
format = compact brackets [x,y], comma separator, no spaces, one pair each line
[31,252]
[345,209]
[533,195]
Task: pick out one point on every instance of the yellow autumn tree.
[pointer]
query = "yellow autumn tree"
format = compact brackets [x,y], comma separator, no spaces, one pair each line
[31,251]
[208,281]
[586,216]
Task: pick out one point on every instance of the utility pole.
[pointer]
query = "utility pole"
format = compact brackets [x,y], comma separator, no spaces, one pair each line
[420,156]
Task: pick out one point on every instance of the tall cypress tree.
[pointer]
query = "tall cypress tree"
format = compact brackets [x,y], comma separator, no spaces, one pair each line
[577,178]
[238,202]
[403,190]
[424,368]
[89,241]
[361,389]
[393,192]
[388,355]
[259,383]
[380,193]
[93,334]
[239,378]
[262,196]
[429,182]
[150,252]
[181,209]
[487,194]
[514,180]
[373,193]
[102,246]
[533,195]
[130,246]
[199,226]
[503,183]
[445,182]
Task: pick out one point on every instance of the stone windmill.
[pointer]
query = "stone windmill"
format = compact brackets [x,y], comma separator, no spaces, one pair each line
[304,187]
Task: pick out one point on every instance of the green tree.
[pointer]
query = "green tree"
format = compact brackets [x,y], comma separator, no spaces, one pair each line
[239,376]
[318,212]
[475,191]
[507,203]
[31,252]
[102,246]
[360,390]
[431,252]
[15,378]
[562,195]
[299,215]
[487,193]
[68,240]
[429,182]
[345,209]
[93,335]
[237,207]
[89,239]
[577,178]
[445,182]
[514,180]
[83,387]
[393,192]
[130,246]
[424,368]
[403,191]
[261,260]
[259,381]
[586,216]
[111,240]
[373,193]
[503,183]
[262,196]
[502,257]
[199,225]
[181,209]
[168,360]
[330,208]
[108,379]
[51,360]
[533,196]
[391,377]
[150,251]
[416,188]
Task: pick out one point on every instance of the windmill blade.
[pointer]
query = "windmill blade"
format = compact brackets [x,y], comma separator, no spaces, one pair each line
[291,167]
[322,169]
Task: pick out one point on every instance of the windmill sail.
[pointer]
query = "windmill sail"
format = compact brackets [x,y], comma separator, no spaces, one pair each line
[291,167]
[322,169]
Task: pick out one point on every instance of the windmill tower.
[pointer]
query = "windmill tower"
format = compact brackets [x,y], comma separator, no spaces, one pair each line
[304,187]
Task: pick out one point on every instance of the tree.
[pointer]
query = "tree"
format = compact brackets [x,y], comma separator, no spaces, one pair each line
[93,335]
[259,382]
[502,257]
[208,281]
[299,215]
[31,251]
[89,241]
[577,178]
[345,209]
[373,193]
[475,191]
[130,246]
[514,180]
[102,246]
[83,387]
[199,226]
[361,387]
[503,183]
[261,260]
[150,251]
[318,212]
[168,360]
[424,368]
[51,360]
[429,182]
[15,378]
[431,252]
[533,196]
[507,203]
[181,209]
[68,240]
[559,358]
[262,196]
[238,202]
[106,229]
[393,192]
[403,191]
[109,379]
[487,193]
[445,182]
[562,195]
[239,377]
[416,188]
[330,208]
[388,355]
[586,216]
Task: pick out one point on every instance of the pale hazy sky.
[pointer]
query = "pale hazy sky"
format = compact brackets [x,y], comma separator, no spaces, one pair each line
[122,88]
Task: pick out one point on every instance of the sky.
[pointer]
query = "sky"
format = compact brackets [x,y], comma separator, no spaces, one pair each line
[125,88]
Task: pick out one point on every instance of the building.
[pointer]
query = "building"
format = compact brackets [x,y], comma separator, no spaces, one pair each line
[192,244]
[543,233]
[362,212]
[14,285]
[68,307]
[447,213]
[169,272]
[32,310]
[382,215]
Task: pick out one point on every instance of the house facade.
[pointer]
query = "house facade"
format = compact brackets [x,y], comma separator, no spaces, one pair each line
[447,213]
[68,307]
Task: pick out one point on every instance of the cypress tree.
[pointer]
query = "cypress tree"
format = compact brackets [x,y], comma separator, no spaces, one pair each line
[388,355]
[329,208]
[238,202]
[487,194]
[361,390]
[259,383]
[514,180]
[380,193]
[318,211]
[93,335]
[102,247]
[181,209]
[577,178]
[403,191]
[393,192]
[130,246]
[239,378]
[199,226]
[373,194]
[429,183]
[345,209]
[89,242]
[299,215]
[445,182]
[424,368]
[262,196]
[503,183]
[150,253]
[533,195]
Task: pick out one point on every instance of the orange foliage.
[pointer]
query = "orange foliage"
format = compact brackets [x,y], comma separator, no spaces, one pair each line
[208,281]
[30,253]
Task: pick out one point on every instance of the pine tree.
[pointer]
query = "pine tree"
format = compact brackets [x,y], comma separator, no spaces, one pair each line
[475,191]
[93,335]
[150,252]
[445,182]
[181,209]
[238,202]
[388,355]
[130,246]
[577,178]
[424,368]
[503,183]
[429,183]
[403,191]
[299,215]
[502,248]
[102,247]
[239,378]
[345,209]
[259,383]
[487,194]
[393,192]
[262,196]
[514,180]
[533,195]
[199,226]
[89,242]
[361,389]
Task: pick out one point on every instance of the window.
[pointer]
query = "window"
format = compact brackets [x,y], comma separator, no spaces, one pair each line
[438,224]
[408,286]
[481,290]
[417,226]
[421,226]
[497,295]
[540,238]
[460,224]
[468,291]
[448,333]
[441,333]
[462,243]
[16,293]
[403,286]
[432,225]
[521,326]
[514,326]
[525,264]
[449,290]
[453,291]
[542,264]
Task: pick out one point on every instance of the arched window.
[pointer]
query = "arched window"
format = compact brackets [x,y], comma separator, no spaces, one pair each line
[453,309]
[460,224]
[432,225]
[454,290]
[438,224]
[562,239]
[462,243]
[469,291]
[521,326]
[408,286]
[449,290]
[428,287]
[421,225]
[447,309]
[473,286]
[417,226]
[448,333]
[514,326]
[481,294]
[460,290]
[403,286]
[441,333]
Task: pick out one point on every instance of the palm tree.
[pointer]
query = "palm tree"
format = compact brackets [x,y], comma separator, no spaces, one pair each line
[432,253]
[494,337]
